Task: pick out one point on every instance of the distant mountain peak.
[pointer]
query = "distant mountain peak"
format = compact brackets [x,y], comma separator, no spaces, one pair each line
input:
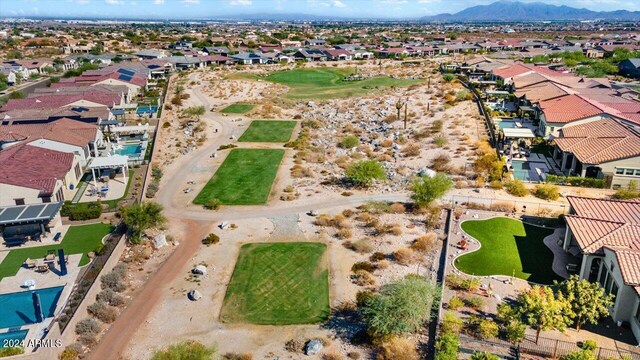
[513,10]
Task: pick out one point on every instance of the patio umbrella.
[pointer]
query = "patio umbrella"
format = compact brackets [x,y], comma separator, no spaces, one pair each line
[37,306]
[63,263]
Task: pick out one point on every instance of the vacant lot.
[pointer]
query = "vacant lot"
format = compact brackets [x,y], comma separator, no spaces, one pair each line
[80,239]
[323,83]
[244,178]
[268,131]
[278,284]
[237,109]
[509,247]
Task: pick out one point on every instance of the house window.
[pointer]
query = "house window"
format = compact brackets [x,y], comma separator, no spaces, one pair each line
[629,172]
[46,199]
[614,292]
[638,172]
[619,171]
[19,201]
[638,312]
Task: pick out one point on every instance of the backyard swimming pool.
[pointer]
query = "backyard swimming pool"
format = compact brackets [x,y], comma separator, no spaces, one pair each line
[12,336]
[16,309]
[526,170]
[130,150]
[506,124]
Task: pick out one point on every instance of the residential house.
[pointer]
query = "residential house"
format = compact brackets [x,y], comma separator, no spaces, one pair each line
[605,234]
[602,149]
[247,58]
[310,55]
[148,54]
[338,54]
[630,68]
[315,42]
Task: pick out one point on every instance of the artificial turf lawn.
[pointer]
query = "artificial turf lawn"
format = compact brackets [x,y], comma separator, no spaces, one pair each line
[244,178]
[278,284]
[80,239]
[508,245]
[268,131]
[237,109]
[324,83]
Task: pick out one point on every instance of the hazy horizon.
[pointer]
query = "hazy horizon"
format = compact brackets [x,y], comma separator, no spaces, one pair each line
[203,9]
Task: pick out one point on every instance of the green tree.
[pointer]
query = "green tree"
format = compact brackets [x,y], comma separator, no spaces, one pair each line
[427,189]
[542,310]
[364,173]
[141,217]
[186,350]
[588,302]
[400,307]
[447,346]
[580,355]
[489,166]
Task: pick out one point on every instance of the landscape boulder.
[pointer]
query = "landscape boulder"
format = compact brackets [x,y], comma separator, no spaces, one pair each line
[313,347]
[199,270]
[194,295]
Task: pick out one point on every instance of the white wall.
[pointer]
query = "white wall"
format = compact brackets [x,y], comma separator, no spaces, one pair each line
[10,192]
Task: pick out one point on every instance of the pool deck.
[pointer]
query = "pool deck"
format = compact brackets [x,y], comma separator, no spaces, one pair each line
[52,278]
[117,187]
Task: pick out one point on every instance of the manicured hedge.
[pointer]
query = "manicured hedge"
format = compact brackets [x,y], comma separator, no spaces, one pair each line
[577,181]
[81,211]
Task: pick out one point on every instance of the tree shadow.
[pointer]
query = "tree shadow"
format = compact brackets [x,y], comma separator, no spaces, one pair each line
[535,257]
[346,323]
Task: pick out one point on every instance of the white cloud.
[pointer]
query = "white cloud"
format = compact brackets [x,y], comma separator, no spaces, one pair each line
[158,2]
[80,2]
[114,2]
[190,2]
[241,2]
[339,4]
[395,2]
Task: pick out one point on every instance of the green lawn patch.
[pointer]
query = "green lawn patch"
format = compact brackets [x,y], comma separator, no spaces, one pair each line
[244,178]
[508,245]
[278,284]
[237,109]
[80,239]
[268,131]
[324,83]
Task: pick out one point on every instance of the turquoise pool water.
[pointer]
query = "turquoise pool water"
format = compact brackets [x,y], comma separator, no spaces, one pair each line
[506,124]
[147,110]
[16,309]
[131,150]
[12,335]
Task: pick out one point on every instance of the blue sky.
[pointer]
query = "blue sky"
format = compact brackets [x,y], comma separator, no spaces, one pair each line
[163,9]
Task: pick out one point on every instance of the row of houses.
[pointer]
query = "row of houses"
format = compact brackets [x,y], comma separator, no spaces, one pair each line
[593,125]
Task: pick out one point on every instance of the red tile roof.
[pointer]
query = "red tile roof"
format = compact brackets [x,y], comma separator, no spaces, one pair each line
[33,167]
[66,131]
[599,141]
[52,101]
[568,108]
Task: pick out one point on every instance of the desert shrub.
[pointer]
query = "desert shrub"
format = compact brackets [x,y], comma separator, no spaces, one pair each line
[236,356]
[353,355]
[383,264]
[447,346]
[227,146]
[546,192]
[344,233]
[363,265]
[349,141]
[482,355]
[87,326]
[191,350]
[212,204]
[451,323]
[515,187]
[377,256]
[411,149]
[458,282]
[455,303]
[363,278]
[398,348]
[376,207]
[397,208]
[395,230]
[514,331]
[81,211]
[404,256]
[502,206]
[496,184]
[589,345]
[441,163]
[332,355]
[474,302]
[440,141]
[294,345]
[425,243]
[110,297]
[364,173]
[487,329]
[211,239]
[88,340]
[576,181]
[113,280]
[322,220]
[362,246]
[103,312]
[347,213]
[69,353]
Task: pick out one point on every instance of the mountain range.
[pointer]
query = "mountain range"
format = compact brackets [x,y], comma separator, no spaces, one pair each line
[508,10]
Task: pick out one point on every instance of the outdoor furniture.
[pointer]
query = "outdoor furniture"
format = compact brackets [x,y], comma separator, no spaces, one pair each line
[57,236]
[50,257]
[42,268]
[30,263]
